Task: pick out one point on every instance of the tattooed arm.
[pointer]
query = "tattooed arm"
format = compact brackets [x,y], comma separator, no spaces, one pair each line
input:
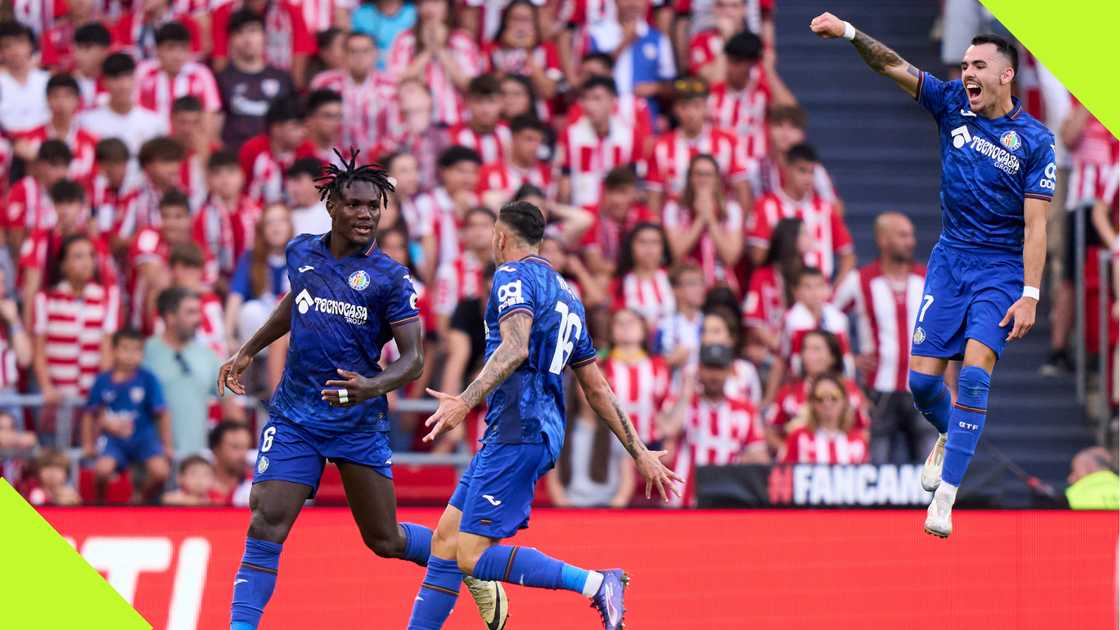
[875,54]
[605,404]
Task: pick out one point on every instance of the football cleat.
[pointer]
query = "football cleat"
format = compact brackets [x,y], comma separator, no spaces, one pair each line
[939,516]
[608,601]
[492,602]
[931,471]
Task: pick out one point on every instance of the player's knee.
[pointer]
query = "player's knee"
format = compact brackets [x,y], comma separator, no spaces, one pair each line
[270,521]
[926,388]
[444,543]
[385,546]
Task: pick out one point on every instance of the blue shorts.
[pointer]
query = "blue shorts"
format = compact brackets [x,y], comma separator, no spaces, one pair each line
[137,448]
[495,493]
[296,453]
[965,297]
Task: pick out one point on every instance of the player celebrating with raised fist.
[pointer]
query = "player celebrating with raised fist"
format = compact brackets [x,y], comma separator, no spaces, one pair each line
[981,290]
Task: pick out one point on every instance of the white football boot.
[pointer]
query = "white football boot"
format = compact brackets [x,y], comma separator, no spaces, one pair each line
[939,516]
[491,600]
[931,471]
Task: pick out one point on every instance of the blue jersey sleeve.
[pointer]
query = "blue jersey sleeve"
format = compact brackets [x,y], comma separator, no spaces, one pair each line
[584,351]
[936,95]
[156,401]
[512,291]
[401,299]
[1041,170]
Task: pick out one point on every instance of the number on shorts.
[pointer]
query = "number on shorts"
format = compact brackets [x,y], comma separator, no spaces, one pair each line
[927,302]
[570,327]
[266,439]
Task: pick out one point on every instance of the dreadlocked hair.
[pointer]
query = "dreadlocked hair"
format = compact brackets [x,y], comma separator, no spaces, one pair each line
[334,179]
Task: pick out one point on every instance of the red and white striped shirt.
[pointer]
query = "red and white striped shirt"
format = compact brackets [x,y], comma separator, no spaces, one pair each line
[150,246]
[285,32]
[319,15]
[799,320]
[492,146]
[805,446]
[704,48]
[631,110]
[457,280]
[228,231]
[74,325]
[82,143]
[131,33]
[446,99]
[28,206]
[642,388]
[38,15]
[679,219]
[156,90]
[435,214]
[744,383]
[765,302]
[606,234]
[138,211]
[43,246]
[507,177]
[743,112]
[651,297]
[107,203]
[886,311]
[585,157]
[794,395]
[264,170]
[362,103]
[490,16]
[715,434]
[672,153]
[1092,158]
[826,227]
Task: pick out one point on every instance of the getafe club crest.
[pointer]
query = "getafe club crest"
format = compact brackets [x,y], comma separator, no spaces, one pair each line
[262,465]
[919,335]
[359,280]
[1011,140]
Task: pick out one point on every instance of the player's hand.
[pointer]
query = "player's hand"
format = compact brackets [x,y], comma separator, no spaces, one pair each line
[229,374]
[451,412]
[1022,313]
[827,26]
[657,474]
[358,388]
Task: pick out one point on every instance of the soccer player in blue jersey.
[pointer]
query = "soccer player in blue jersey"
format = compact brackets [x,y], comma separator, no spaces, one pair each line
[982,283]
[534,327]
[347,300]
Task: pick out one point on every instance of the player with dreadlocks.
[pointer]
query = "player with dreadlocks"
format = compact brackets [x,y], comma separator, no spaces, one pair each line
[347,300]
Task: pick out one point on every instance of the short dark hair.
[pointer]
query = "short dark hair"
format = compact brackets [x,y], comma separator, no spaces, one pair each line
[67,191]
[352,34]
[601,57]
[173,33]
[118,64]
[319,98]
[174,198]
[242,18]
[620,177]
[13,30]
[186,255]
[282,110]
[483,210]
[787,113]
[55,152]
[677,271]
[809,272]
[191,461]
[92,34]
[111,150]
[310,166]
[1003,46]
[527,190]
[744,46]
[218,433]
[521,122]
[458,153]
[187,103]
[802,152]
[324,38]
[161,149]
[222,159]
[484,85]
[127,333]
[63,82]
[525,219]
[169,300]
[607,83]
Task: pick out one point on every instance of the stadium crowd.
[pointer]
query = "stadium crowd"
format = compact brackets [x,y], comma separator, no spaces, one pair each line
[157,155]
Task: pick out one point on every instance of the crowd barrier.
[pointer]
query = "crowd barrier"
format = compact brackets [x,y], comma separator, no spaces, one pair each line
[757,569]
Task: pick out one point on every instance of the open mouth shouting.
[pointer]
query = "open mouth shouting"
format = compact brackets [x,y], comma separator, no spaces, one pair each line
[975,90]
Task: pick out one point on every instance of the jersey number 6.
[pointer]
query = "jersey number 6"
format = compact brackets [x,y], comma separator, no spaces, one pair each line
[266,439]
[570,328]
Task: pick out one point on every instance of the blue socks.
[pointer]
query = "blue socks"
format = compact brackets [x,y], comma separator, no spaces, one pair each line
[931,397]
[437,594]
[253,583]
[529,567]
[966,422]
[418,543]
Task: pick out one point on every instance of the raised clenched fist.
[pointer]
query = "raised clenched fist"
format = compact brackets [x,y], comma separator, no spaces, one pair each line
[827,25]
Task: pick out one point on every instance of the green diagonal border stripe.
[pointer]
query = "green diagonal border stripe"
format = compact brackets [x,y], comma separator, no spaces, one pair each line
[45,584]
[1076,41]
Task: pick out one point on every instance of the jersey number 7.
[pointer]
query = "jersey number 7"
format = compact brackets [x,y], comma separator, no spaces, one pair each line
[570,328]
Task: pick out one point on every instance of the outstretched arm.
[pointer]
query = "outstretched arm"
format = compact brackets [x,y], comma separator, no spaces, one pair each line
[603,401]
[408,366]
[875,54]
[277,325]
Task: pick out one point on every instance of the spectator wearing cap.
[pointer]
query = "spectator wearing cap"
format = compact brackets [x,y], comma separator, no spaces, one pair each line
[136,29]
[172,74]
[23,85]
[226,220]
[643,56]
[708,428]
[266,157]
[461,277]
[383,20]
[825,431]
[288,43]
[441,212]
[248,83]
[520,165]
[482,129]
[188,370]
[365,92]
[58,39]
[161,165]
[260,278]
[27,206]
[515,45]
[720,327]
[91,47]
[120,116]
[229,443]
[64,99]
[1093,484]
[324,124]
[618,211]
[885,297]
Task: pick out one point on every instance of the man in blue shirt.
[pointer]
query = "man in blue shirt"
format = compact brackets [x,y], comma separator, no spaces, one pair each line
[982,285]
[347,300]
[535,327]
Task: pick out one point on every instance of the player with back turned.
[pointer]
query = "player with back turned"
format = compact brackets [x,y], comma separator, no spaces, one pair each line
[534,328]
[347,300]
[982,283]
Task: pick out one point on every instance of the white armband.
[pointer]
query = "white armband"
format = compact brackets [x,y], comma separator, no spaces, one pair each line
[849,31]
[1031,292]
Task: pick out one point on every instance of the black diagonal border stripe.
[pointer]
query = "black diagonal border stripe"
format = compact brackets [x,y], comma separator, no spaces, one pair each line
[257,567]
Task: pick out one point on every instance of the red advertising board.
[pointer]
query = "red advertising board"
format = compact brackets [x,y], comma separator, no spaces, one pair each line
[755,569]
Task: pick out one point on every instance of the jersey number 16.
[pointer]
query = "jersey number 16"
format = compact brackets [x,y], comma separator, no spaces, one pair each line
[569,330]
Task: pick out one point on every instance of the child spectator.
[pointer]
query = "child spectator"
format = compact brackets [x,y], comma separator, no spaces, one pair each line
[52,480]
[364,91]
[260,278]
[91,47]
[187,266]
[721,327]
[120,116]
[383,20]
[618,212]
[640,381]
[481,130]
[518,48]
[324,124]
[229,444]
[109,187]
[64,98]
[195,482]
[72,322]
[23,85]
[522,164]
[309,212]
[226,221]
[126,407]
[642,277]
[265,158]
[770,291]
[826,431]
[27,207]
[678,334]
[441,212]
[172,74]
[631,109]
[248,84]
[704,226]
[461,277]
[161,162]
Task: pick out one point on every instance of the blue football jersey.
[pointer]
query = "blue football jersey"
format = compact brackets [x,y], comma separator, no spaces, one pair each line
[343,312]
[138,398]
[988,168]
[529,406]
